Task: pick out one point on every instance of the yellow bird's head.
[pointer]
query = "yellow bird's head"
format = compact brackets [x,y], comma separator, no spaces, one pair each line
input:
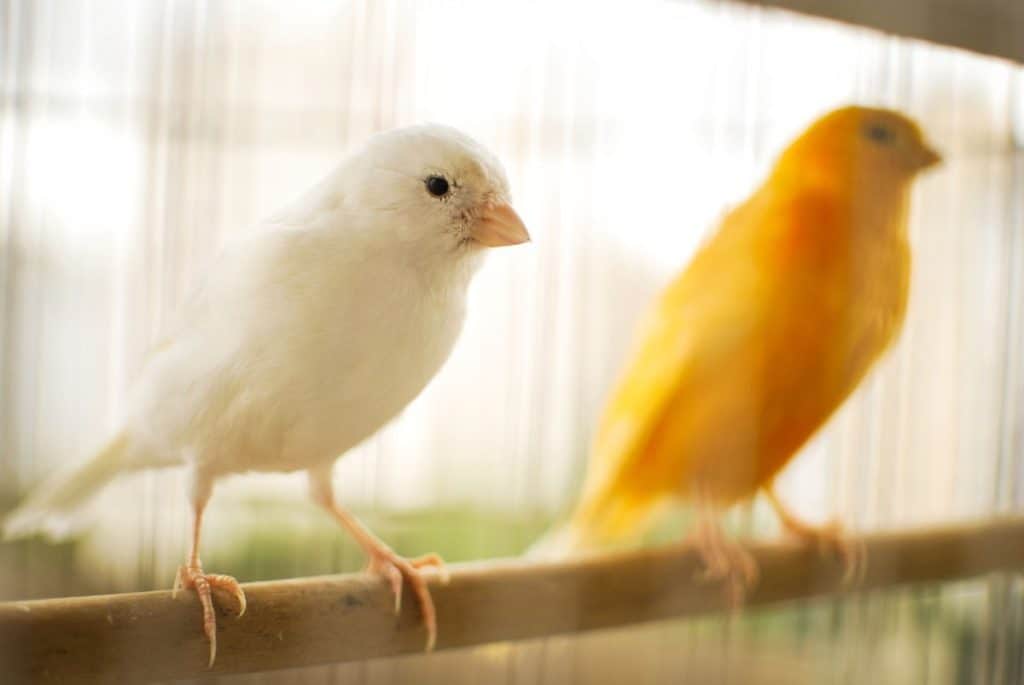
[861,143]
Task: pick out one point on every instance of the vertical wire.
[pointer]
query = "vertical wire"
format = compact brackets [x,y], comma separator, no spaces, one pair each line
[35,314]
[900,88]
[755,97]
[154,231]
[1013,406]
[1003,590]
[13,143]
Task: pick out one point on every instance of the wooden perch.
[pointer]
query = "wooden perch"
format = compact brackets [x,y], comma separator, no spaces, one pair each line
[307,621]
[987,27]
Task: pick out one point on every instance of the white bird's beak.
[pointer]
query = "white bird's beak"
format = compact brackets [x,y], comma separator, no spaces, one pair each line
[500,225]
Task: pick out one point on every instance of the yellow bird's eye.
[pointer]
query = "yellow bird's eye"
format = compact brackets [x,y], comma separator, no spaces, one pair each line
[879,133]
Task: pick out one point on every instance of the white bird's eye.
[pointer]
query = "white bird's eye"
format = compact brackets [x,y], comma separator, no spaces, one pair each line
[879,133]
[437,186]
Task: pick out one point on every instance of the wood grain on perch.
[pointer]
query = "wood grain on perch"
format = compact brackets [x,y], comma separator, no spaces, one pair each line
[307,621]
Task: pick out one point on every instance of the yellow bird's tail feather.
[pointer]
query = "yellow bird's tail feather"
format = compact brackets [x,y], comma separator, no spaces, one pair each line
[594,527]
[561,542]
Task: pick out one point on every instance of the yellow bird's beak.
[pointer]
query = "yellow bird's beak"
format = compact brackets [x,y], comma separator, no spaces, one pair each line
[500,225]
[928,157]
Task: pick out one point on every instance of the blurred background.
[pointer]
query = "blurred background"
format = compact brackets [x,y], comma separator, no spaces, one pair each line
[136,136]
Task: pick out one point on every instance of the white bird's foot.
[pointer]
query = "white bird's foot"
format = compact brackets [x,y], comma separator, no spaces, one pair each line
[394,569]
[192,577]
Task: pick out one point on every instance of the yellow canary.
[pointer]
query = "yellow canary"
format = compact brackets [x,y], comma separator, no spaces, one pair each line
[748,352]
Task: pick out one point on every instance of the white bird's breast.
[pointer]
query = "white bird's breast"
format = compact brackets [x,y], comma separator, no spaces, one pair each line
[372,365]
[297,351]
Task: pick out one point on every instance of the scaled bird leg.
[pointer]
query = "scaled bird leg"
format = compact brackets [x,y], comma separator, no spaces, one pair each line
[382,559]
[828,538]
[723,559]
[192,577]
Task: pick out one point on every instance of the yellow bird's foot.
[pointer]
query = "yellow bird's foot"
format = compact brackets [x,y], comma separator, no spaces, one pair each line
[829,539]
[394,569]
[725,561]
[192,577]
[832,539]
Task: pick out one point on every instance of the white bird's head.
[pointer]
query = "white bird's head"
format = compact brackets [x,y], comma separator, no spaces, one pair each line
[437,190]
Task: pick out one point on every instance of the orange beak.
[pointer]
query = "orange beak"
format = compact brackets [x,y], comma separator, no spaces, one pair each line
[500,225]
[928,157]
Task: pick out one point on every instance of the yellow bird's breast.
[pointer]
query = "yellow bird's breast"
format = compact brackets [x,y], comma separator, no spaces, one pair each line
[825,337]
[751,350]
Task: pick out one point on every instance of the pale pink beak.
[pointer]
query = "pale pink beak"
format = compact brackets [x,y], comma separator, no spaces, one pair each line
[499,225]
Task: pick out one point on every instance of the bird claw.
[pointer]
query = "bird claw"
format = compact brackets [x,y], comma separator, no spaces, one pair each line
[192,577]
[726,561]
[393,576]
[731,564]
[436,562]
[832,539]
[394,569]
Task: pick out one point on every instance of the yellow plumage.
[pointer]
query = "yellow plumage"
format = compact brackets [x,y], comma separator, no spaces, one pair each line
[771,326]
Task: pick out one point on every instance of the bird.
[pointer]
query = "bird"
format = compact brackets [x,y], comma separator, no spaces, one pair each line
[304,338]
[744,356]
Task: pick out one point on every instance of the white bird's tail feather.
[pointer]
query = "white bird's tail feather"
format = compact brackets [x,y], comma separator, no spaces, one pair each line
[52,506]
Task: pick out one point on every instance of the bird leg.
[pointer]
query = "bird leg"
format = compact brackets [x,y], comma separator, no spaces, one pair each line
[383,561]
[723,559]
[829,538]
[192,577]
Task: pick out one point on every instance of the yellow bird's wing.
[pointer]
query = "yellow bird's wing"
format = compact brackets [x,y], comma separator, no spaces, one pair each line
[704,332]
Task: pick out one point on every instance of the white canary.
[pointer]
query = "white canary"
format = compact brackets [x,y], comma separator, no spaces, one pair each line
[306,337]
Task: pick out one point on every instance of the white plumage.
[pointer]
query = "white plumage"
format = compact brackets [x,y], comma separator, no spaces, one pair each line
[311,333]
